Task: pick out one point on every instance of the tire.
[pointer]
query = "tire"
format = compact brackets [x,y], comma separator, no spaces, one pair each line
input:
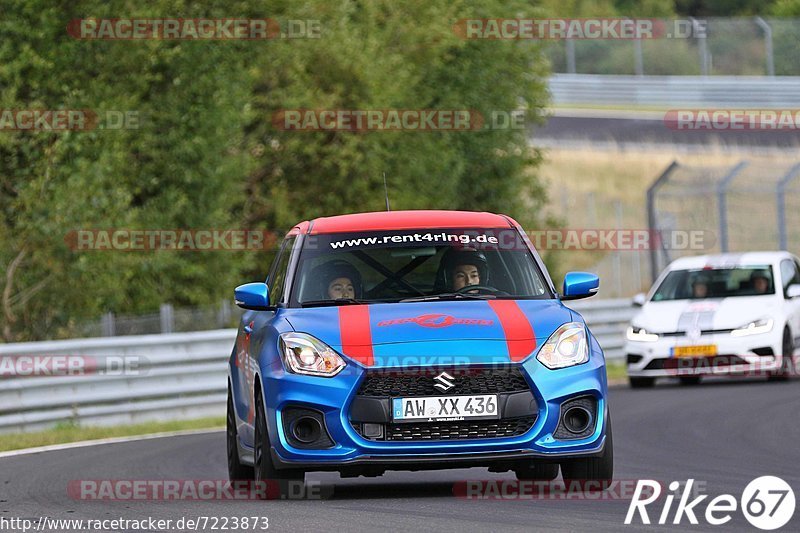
[236,470]
[591,470]
[537,471]
[280,483]
[689,380]
[641,383]
[787,359]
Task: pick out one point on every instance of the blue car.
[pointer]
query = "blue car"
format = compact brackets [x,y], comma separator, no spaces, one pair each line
[411,340]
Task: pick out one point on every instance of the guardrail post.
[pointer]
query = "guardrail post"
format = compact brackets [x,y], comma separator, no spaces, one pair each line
[107,325]
[651,218]
[722,204]
[167,315]
[764,25]
[783,238]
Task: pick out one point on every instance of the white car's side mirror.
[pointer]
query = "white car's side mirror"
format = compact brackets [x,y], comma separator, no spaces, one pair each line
[640,298]
[793,291]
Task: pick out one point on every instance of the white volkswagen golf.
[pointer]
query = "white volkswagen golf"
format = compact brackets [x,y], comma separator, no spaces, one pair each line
[720,314]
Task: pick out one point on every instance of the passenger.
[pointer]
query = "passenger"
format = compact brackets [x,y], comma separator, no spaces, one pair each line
[463,268]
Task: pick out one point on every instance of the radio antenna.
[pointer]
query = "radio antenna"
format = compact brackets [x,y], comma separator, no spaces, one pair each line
[386,192]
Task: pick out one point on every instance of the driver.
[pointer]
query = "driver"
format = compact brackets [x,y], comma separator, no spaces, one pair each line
[463,268]
[338,280]
[760,281]
[700,288]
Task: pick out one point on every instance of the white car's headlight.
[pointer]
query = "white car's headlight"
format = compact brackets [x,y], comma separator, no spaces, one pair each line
[755,327]
[305,354]
[636,333]
[567,346]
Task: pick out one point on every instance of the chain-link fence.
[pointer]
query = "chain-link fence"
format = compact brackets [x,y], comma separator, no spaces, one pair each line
[167,320]
[723,46]
[744,207]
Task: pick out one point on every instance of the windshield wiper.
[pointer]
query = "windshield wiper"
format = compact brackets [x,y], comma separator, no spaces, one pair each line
[340,301]
[450,296]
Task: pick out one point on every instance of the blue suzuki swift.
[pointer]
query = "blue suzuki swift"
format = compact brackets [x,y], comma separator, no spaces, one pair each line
[411,340]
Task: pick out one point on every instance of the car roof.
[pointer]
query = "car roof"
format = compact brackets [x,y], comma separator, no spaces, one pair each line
[716,260]
[412,219]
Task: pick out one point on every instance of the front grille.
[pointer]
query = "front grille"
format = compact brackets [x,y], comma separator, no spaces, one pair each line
[478,429]
[411,383]
[703,332]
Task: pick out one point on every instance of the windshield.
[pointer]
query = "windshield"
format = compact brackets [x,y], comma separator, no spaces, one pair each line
[697,284]
[393,266]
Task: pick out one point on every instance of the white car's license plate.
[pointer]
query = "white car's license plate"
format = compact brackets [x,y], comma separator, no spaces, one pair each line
[442,408]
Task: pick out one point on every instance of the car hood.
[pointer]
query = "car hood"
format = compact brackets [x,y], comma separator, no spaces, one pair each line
[430,333]
[710,314]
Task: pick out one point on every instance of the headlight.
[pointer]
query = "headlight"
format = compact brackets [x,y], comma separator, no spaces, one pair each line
[635,333]
[304,354]
[755,327]
[566,347]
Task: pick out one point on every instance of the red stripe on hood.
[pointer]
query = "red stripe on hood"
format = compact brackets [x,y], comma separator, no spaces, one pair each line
[520,337]
[356,334]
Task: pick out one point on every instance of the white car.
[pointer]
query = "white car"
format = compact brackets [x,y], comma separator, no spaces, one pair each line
[719,314]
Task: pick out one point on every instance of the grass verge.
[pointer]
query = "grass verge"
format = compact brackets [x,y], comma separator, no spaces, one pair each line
[67,432]
[616,372]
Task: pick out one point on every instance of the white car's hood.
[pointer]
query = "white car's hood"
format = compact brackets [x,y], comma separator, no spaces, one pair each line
[710,314]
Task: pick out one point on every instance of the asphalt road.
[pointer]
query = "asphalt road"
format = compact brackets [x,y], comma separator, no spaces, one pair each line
[722,434]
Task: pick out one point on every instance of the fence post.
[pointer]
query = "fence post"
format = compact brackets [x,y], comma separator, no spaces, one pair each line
[651,218]
[167,316]
[702,46]
[764,25]
[107,325]
[783,238]
[570,50]
[722,191]
[638,57]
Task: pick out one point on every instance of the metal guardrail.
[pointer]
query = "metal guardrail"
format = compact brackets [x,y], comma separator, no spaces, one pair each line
[702,91]
[608,320]
[176,376]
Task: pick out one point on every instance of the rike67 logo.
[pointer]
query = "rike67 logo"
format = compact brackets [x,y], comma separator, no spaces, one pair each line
[767,502]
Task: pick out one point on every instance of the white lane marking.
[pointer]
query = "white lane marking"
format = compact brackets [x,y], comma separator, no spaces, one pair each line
[110,440]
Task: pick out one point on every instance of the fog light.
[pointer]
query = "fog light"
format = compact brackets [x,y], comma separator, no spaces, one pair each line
[373,431]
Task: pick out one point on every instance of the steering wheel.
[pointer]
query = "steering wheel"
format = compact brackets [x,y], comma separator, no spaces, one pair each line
[485,288]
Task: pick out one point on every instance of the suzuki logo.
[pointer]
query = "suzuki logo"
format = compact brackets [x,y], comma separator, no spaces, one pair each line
[444,382]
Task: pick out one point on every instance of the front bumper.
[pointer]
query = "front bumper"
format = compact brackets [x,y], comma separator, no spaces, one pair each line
[751,355]
[333,397]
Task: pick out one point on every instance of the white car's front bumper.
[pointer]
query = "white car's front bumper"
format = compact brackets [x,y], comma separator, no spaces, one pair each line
[735,355]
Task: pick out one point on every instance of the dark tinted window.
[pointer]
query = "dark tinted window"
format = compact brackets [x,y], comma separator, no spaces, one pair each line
[277,279]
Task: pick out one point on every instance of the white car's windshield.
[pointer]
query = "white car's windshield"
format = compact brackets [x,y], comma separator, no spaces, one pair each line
[398,265]
[751,280]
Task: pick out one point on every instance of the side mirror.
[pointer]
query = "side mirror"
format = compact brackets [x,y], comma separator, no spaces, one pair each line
[579,285]
[793,291]
[639,299]
[253,296]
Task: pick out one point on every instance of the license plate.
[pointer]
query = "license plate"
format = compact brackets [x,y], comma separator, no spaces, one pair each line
[444,408]
[705,350]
